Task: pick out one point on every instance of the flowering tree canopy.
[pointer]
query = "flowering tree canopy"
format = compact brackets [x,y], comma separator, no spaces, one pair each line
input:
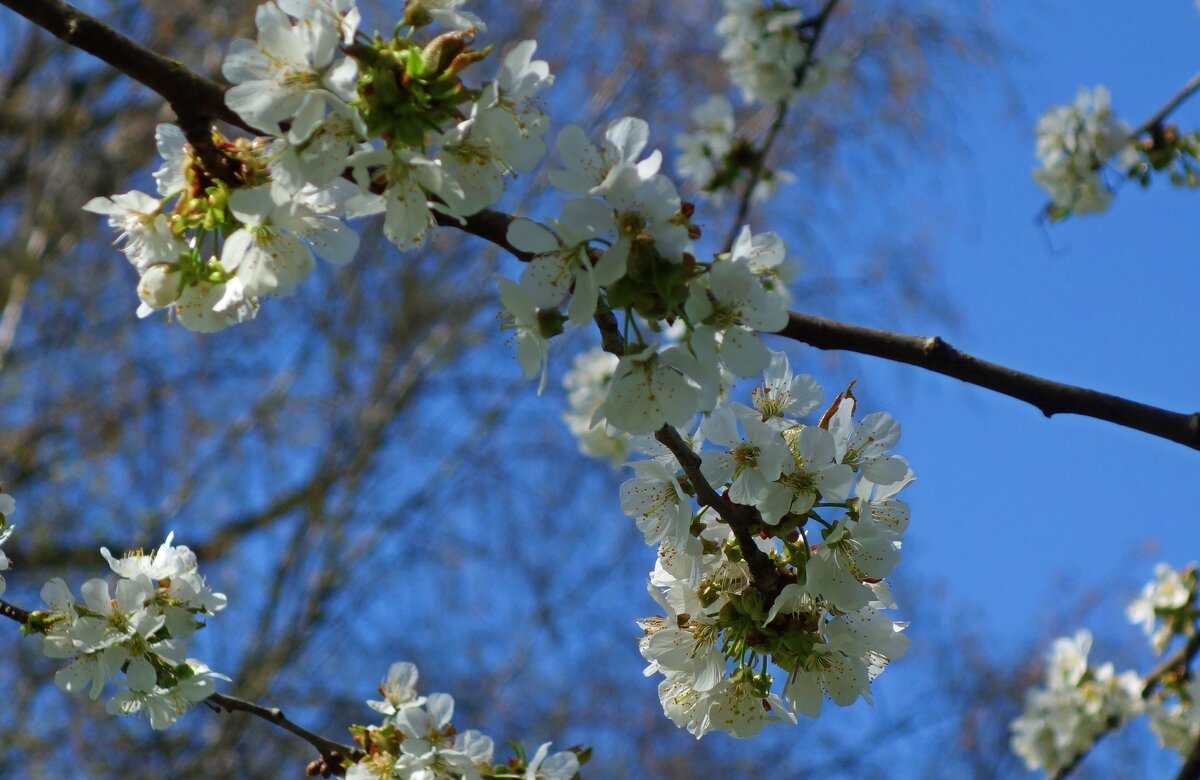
[773,506]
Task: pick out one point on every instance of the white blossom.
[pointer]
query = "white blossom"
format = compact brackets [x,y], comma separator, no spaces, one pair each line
[445,12]
[702,151]
[763,49]
[561,263]
[1074,143]
[165,705]
[588,168]
[1175,720]
[782,394]
[586,385]
[1170,591]
[533,350]
[507,113]
[410,180]
[289,64]
[649,390]
[547,766]
[268,253]
[144,234]
[1077,704]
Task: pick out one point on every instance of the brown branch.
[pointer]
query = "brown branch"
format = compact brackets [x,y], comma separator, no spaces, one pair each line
[332,752]
[813,27]
[1051,398]
[742,519]
[196,100]
[13,612]
[188,92]
[1156,119]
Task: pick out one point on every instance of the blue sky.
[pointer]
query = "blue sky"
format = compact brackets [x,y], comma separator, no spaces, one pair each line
[1017,514]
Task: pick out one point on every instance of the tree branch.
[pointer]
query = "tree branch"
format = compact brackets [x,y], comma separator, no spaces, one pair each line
[188,92]
[743,520]
[13,612]
[196,100]
[1051,398]
[332,752]
[1156,119]
[740,518]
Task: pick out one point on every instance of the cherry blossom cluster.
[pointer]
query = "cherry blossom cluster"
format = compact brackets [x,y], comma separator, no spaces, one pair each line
[766,51]
[1064,718]
[1074,144]
[417,741]
[1166,608]
[1175,716]
[623,246]
[734,658]
[714,159]
[1080,702]
[352,125]
[355,125]
[763,48]
[135,634]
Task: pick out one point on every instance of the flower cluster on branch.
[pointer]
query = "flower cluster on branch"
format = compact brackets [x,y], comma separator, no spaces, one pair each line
[1082,702]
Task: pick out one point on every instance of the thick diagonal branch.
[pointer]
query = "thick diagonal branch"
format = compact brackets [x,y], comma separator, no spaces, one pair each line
[188,92]
[196,100]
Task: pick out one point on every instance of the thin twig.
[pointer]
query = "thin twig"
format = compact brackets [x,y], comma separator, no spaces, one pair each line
[814,26]
[1156,119]
[328,749]
[1153,125]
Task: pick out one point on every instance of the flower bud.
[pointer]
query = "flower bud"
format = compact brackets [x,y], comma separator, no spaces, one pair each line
[442,50]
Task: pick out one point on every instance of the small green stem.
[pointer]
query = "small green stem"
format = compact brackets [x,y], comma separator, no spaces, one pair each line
[819,519]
